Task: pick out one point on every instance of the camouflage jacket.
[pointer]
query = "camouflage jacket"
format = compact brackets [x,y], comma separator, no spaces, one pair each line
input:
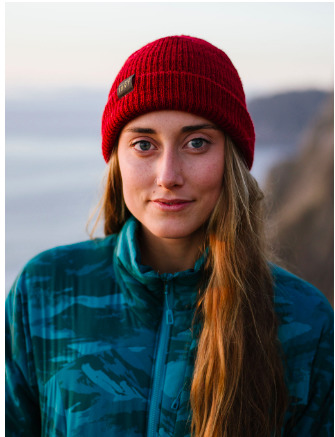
[99,345]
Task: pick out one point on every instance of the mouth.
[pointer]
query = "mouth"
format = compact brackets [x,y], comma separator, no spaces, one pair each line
[171,204]
[172,201]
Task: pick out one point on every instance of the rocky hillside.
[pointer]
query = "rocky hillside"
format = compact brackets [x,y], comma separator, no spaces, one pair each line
[280,119]
[301,206]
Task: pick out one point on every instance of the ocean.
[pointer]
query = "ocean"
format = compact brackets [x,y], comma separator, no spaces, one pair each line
[53,185]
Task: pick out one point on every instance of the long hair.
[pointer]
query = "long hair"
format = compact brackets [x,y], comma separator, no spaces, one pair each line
[238,382]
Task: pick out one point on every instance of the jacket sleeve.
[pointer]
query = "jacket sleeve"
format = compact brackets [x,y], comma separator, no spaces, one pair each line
[316,418]
[22,405]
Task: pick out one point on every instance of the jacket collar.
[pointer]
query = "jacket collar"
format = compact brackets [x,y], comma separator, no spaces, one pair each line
[146,285]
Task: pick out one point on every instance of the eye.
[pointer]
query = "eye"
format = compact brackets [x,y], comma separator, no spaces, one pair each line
[142,145]
[197,143]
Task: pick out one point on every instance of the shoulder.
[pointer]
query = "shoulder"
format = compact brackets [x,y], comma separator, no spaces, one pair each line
[74,259]
[297,300]
[85,252]
[304,313]
[66,269]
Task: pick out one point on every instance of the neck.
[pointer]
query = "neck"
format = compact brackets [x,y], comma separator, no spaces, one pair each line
[168,255]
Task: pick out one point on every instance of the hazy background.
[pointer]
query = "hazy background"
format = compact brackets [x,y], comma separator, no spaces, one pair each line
[61,59]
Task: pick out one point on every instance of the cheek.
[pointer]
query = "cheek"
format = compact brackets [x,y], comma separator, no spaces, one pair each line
[135,178]
[209,178]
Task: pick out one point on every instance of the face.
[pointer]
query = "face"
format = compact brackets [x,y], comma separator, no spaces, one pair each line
[171,164]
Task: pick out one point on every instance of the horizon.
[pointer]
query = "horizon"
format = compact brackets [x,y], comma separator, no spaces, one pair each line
[40,94]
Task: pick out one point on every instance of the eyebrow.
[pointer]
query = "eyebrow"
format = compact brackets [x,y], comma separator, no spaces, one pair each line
[145,130]
[140,130]
[199,127]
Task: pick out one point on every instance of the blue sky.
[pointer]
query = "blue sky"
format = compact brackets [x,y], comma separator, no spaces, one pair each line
[275,46]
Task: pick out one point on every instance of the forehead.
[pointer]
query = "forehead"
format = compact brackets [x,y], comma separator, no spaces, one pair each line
[167,119]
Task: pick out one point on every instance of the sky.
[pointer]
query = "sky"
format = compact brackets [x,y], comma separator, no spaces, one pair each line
[274,46]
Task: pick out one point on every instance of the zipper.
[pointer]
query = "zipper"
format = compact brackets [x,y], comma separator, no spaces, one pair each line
[175,404]
[158,382]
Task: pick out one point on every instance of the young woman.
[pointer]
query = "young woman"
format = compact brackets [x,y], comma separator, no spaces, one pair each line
[175,323]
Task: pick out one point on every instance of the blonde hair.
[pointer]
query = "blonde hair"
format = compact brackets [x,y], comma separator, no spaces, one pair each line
[243,391]
[238,382]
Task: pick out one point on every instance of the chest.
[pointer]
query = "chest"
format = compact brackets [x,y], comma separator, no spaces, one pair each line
[104,372]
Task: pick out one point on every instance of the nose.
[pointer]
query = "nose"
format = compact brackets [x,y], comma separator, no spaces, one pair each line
[169,170]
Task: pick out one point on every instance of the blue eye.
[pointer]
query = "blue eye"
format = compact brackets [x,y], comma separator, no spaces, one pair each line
[197,143]
[143,146]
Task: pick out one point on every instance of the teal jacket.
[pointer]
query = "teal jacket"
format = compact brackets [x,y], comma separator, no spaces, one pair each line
[99,345]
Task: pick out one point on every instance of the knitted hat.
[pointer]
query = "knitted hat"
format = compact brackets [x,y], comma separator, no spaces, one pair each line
[185,74]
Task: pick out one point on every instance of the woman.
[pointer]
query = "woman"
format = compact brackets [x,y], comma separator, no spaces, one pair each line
[175,323]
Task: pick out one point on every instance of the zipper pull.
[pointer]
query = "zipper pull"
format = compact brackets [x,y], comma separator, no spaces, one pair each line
[169,317]
[168,312]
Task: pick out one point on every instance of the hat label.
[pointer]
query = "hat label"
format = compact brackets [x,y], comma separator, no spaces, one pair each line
[126,86]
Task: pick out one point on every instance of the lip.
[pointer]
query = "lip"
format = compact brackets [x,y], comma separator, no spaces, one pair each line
[173,205]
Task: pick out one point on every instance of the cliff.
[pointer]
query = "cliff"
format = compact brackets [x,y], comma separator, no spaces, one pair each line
[301,207]
[279,119]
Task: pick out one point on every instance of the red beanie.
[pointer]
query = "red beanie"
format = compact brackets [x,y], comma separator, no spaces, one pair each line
[185,74]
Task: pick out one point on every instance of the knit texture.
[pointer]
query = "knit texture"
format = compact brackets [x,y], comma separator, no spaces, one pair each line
[186,74]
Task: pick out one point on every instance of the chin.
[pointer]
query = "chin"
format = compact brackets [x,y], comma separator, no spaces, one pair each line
[169,231]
